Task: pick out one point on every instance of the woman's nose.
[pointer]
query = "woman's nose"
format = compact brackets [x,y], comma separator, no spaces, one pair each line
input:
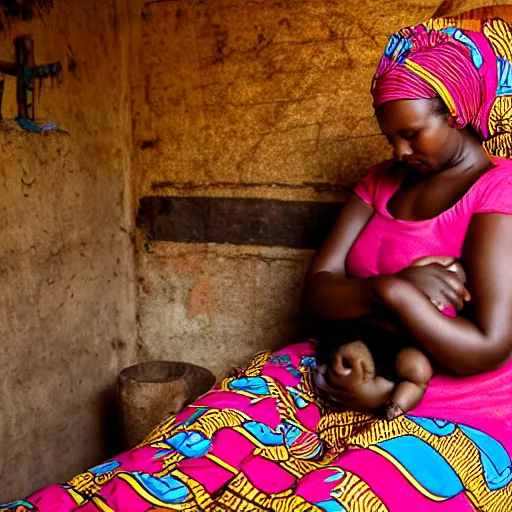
[401,150]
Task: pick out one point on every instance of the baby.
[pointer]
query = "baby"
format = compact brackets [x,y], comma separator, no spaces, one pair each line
[373,368]
[368,367]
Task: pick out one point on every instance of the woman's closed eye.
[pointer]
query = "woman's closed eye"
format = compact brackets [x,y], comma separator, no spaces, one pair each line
[409,135]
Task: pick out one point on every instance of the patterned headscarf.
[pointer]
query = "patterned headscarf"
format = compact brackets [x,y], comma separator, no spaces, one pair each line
[471,70]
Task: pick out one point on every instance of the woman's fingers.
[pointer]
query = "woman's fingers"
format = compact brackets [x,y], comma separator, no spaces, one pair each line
[447,262]
[453,300]
[456,283]
[450,291]
[457,269]
[444,261]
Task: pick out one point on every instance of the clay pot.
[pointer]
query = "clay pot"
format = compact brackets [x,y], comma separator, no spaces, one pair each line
[148,392]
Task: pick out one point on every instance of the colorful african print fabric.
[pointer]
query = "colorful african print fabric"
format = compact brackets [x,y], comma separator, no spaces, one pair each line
[470,70]
[261,441]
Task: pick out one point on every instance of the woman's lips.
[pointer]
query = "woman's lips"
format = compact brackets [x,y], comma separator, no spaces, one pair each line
[420,166]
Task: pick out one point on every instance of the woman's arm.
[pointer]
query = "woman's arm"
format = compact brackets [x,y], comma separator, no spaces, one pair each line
[328,292]
[482,340]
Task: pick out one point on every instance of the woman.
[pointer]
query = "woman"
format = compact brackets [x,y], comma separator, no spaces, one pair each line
[263,440]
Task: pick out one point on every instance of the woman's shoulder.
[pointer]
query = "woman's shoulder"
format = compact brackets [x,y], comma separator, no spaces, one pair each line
[500,173]
[492,192]
[377,178]
[381,170]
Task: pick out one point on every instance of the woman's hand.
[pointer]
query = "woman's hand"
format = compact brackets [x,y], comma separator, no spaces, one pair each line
[441,279]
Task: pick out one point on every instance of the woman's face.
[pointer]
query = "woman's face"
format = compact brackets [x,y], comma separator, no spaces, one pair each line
[422,137]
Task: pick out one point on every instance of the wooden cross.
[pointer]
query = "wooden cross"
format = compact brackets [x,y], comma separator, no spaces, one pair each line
[25,71]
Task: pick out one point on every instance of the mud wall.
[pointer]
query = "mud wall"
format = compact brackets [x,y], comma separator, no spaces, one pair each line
[67,302]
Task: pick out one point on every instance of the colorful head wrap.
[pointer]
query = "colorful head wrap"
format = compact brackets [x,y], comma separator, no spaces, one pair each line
[470,70]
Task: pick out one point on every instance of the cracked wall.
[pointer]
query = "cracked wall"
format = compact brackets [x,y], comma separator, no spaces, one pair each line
[260,98]
[67,302]
[250,99]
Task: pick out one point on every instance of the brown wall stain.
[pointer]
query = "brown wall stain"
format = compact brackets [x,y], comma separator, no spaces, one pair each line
[200,299]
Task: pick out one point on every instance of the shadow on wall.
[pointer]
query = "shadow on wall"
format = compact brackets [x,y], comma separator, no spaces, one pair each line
[12,10]
[110,421]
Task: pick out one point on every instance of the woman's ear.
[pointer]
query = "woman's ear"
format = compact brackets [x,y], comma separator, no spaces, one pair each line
[452,120]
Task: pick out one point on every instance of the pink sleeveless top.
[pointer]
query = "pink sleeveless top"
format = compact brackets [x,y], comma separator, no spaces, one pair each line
[388,245]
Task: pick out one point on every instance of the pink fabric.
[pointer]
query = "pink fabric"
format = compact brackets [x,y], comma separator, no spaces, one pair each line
[400,84]
[388,245]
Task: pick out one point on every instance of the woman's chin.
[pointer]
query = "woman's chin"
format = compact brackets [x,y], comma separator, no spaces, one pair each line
[421,167]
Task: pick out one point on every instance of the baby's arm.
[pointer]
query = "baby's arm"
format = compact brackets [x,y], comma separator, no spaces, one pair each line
[415,369]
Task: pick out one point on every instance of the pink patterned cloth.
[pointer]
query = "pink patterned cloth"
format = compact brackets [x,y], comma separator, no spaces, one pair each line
[261,441]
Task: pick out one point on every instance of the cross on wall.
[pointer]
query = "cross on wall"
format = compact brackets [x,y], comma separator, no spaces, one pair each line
[26,72]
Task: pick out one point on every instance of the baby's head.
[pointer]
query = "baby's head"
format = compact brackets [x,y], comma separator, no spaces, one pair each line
[358,350]
[352,358]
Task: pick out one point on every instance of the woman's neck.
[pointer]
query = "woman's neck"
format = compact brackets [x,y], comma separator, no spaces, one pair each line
[471,157]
